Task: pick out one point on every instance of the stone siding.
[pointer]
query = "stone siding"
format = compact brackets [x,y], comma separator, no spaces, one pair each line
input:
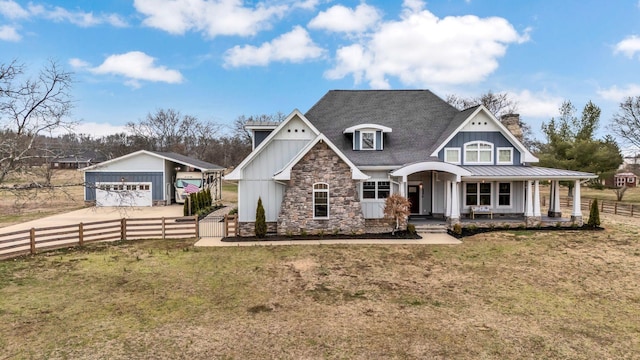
[249,228]
[321,165]
[379,226]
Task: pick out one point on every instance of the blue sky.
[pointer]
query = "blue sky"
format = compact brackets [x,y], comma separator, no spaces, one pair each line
[218,59]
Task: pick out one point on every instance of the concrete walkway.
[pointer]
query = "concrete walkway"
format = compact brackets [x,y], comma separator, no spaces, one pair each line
[427,239]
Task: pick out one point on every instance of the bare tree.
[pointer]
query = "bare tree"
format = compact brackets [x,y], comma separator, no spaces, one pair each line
[626,122]
[30,107]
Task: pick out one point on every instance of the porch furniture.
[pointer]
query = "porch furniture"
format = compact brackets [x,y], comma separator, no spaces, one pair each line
[481,210]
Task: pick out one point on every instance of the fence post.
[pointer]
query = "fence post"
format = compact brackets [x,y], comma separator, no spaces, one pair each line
[615,208]
[123,229]
[602,206]
[226,225]
[631,206]
[32,241]
[195,220]
[80,234]
[163,228]
[235,221]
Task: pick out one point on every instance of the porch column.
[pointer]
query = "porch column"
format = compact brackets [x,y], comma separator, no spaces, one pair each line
[403,186]
[455,203]
[536,199]
[554,200]
[528,211]
[447,199]
[576,213]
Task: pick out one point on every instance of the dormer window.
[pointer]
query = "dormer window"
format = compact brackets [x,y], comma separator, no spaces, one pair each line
[367,140]
[367,136]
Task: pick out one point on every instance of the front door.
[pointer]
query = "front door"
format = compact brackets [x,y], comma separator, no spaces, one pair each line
[414,198]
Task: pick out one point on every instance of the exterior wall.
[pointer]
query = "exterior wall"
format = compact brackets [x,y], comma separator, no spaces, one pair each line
[248,193]
[321,164]
[155,178]
[139,163]
[379,226]
[259,136]
[494,137]
[426,199]
[517,199]
[249,228]
[438,197]
[373,208]
[272,159]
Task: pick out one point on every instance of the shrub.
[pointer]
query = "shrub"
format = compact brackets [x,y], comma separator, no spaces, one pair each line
[457,229]
[185,209]
[594,215]
[397,207]
[411,229]
[193,203]
[233,211]
[261,221]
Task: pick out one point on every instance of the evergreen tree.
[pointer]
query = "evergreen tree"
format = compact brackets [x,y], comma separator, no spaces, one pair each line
[185,208]
[261,221]
[594,215]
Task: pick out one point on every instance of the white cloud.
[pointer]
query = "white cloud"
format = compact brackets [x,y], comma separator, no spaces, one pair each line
[9,33]
[135,66]
[628,46]
[615,93]
[339,18]
[295,46]
[306,4]
[421,49]
[212,17]
[78,63]
[536,105]
[97,130]
[13,10]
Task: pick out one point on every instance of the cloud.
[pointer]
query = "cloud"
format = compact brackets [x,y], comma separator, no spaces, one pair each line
[13,10]
[78,63]
[306,4]
[295,46]
[421,50]
[97,130]
[339,18]
[536,105]
[628,46]
[9,33]
[618,94]
[134,66]
[211,17]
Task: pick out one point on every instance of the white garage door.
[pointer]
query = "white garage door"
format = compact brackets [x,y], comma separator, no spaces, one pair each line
[123,194]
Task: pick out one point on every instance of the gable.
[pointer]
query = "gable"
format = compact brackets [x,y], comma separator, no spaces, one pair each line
[139,162]
[494,137]
[295,129]
[481,122]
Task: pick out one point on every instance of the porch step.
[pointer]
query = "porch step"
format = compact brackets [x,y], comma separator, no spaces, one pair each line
[431,228]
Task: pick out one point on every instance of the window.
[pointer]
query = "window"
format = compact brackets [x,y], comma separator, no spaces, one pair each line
[478,194]
[478,153]
[504,194]
[452,155]
[367,140]
[321,201]
[376,189]
[505,156]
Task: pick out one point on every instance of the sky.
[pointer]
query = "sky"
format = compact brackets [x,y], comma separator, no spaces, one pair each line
[219,59]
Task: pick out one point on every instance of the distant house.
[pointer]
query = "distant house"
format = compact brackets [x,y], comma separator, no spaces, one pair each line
[79,161]
[144,178]
[331,169]
[625,179]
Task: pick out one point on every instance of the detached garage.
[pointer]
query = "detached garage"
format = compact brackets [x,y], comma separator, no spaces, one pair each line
[143,178]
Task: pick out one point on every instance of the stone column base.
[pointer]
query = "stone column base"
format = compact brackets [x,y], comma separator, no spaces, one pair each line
[452,221]
[577,220]
[554,214]
[533,221]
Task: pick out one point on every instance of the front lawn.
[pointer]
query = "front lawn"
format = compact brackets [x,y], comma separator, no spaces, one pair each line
[503,295]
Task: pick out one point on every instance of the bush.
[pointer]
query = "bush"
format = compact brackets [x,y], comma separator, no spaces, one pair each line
[185,209]
[261,221]
[411,229]
[233,211]
[594,215]
[457,229]
[193,203]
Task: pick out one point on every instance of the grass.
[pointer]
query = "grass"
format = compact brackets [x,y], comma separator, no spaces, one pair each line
[514,294]
[632,195]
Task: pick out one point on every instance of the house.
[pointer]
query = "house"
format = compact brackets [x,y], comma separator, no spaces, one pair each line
[627,179]
[144,178]
[331,169]
[78,161]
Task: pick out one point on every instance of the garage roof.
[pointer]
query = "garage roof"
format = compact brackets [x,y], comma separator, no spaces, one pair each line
[171,156]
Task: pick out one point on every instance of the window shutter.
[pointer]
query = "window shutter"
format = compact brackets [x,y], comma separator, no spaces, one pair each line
[356,140]
[378,140]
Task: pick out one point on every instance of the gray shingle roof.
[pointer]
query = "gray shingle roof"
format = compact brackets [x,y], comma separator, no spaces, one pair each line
[185,160]
[419,120]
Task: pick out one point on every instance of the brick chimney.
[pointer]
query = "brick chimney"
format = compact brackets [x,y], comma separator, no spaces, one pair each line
[512,123]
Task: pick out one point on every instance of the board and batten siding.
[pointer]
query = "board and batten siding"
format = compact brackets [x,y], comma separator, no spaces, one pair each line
[494,137]
[155,178]
[258,179]
[141,162]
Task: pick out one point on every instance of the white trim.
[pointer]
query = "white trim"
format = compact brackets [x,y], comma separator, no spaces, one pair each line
[313,200]
[457,162]
[464,194]
[429,166]
[526,155]
[478,151]
[375,189]
[498,162]
[285,173]
[373,145]
[124,157]
[359,127]
[236,174]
